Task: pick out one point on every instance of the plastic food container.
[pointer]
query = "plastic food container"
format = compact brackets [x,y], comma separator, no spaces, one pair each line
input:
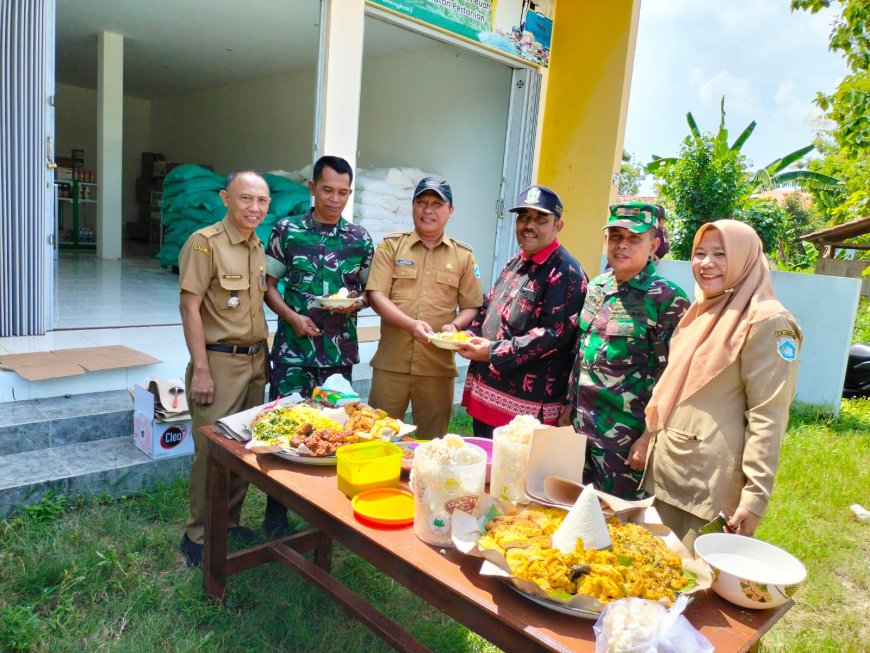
[368,466]
[440,489]
[510,462]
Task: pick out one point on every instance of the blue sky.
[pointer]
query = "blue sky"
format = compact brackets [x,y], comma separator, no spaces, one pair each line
[767,61]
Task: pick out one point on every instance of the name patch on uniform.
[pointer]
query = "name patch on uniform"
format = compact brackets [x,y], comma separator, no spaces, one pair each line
[402,261]
[233,277]
[202,248]
[476,271]
[786,348]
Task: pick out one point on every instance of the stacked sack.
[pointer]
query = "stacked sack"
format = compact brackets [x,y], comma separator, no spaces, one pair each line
[191,201]
[382,201]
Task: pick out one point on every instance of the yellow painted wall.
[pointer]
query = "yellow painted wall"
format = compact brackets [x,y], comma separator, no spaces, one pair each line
[583,126]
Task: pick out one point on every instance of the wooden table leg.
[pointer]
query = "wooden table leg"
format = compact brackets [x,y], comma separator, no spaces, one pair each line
[214,572]
[323,552]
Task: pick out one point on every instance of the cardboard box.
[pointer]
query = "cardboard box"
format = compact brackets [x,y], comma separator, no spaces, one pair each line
[157,438]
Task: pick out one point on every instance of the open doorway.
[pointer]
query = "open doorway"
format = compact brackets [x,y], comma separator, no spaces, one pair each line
[204,83]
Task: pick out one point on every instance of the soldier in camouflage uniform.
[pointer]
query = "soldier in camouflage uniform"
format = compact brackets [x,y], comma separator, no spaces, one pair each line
[314,256]
[625,326]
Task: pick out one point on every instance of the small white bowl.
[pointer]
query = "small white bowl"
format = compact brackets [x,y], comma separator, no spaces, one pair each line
[748,572]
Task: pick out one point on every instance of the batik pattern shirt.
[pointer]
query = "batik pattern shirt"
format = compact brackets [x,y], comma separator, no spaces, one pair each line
[622,349]
[311,260]
[530,317]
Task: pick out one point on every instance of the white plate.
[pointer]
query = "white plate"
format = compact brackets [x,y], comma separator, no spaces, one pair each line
[292,456]
[443,343]
[337,302]
[558,607]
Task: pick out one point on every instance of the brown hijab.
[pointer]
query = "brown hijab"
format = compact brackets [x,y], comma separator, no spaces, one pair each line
[714,329]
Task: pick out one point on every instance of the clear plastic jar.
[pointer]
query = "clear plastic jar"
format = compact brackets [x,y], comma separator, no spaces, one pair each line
[510,461]
[440,489]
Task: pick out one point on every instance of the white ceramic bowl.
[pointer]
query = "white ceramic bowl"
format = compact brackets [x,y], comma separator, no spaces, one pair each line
[748,572]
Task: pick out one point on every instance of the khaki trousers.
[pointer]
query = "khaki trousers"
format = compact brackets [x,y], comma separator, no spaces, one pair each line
[239,384]
[677,519]
[431,399]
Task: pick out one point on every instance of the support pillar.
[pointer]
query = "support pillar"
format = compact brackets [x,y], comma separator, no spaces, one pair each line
[340,81]
[110,132]
[583,128]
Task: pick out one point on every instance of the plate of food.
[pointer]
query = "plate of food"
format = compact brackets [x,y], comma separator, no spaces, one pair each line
[310,434]
[576,562]
[344,298]
[448,339]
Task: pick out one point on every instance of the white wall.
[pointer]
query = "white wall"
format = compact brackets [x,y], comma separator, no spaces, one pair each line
[265,124]
[444,111]
[76,128]
[825,308]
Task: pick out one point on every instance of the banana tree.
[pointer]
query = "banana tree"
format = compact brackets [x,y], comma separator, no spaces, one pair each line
[763,179]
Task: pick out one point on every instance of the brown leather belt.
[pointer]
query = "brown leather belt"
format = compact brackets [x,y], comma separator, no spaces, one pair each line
[250,350]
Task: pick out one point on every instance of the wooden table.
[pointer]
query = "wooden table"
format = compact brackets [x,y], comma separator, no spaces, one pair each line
[445,578]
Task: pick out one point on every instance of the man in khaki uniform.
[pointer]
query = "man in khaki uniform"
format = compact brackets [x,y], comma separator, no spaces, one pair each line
[222,282]
[417,281]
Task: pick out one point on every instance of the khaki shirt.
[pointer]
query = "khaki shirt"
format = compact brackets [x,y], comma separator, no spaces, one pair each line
[720,448]
[218,263]
[425,285]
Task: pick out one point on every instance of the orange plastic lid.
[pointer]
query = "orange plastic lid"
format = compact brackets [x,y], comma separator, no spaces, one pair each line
[384,506]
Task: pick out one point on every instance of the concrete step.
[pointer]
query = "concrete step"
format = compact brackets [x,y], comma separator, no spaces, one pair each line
[110,465]
[38,424]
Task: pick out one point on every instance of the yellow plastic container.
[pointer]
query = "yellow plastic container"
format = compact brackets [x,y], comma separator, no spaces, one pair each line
[368,466]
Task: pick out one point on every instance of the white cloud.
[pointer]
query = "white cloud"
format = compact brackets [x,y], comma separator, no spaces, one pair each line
[737,92]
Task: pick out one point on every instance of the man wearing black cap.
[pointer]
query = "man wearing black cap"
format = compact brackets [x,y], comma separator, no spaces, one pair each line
[418,279]
[524,333]
[625,330]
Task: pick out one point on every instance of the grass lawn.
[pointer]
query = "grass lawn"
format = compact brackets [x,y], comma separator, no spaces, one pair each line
[106,574]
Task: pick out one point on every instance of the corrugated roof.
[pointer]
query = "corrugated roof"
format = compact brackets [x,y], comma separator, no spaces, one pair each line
[841,232]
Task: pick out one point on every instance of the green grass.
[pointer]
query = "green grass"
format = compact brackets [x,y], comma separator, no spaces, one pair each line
[104,574]
[825,467]
[861,333]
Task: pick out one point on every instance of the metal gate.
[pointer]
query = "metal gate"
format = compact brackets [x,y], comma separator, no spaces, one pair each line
[26,162]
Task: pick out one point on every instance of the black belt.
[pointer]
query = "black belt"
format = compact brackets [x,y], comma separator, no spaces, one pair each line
[250,350]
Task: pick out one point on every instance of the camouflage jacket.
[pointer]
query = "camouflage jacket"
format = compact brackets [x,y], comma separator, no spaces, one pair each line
[311,260]
[622,349]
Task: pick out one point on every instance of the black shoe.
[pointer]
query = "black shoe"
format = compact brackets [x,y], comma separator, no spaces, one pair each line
[243,534]
[275,520]
[276,526]
[192,552]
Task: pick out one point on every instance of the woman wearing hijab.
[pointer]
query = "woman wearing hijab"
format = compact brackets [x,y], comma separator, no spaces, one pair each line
[718,413]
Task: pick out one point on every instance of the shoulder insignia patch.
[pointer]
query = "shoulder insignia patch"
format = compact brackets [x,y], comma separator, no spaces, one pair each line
[786,347]
[464,245]
[203,249]
[786,332]
[476,271]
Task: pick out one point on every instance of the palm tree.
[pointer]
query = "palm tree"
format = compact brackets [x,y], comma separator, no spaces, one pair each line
[767,177]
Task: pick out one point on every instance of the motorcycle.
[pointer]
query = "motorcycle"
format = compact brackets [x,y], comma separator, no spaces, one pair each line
[857,382]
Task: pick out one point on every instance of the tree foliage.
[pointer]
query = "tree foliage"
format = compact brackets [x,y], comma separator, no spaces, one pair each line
[711,180]
[630,175]
[846,153]
[701,185]
[849,104]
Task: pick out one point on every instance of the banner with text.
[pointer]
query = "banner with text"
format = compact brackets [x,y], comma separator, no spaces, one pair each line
[520,28]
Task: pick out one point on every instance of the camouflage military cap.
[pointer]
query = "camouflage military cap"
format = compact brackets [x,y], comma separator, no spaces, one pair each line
[638,217]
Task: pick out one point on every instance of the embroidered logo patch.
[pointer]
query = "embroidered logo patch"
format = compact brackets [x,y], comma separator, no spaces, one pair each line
[533,195]
[476,271]
[402,261]
[202,249]
[786,348]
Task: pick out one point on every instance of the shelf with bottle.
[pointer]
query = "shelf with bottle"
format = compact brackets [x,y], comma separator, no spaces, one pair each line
[75,230]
